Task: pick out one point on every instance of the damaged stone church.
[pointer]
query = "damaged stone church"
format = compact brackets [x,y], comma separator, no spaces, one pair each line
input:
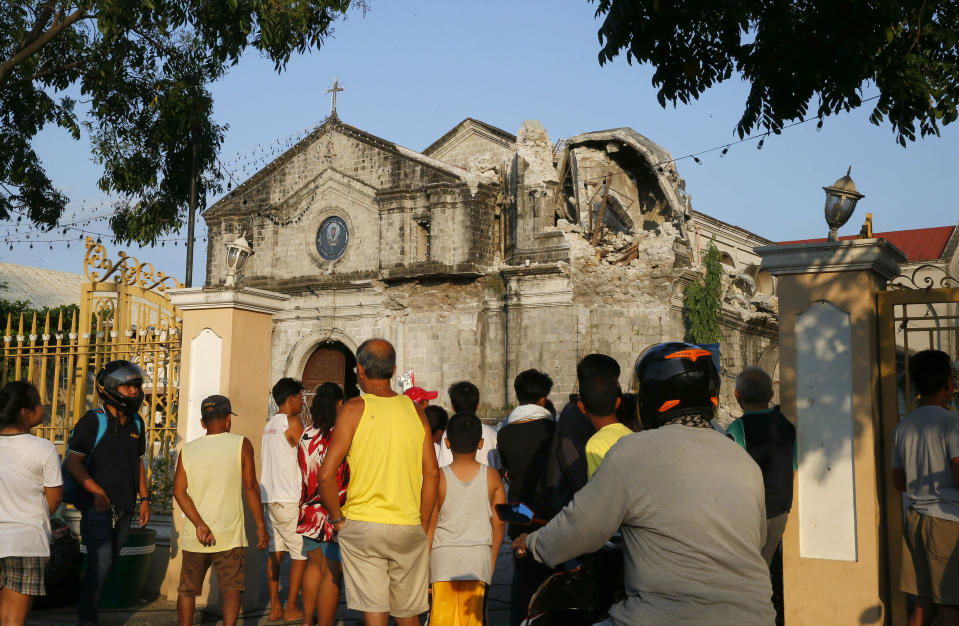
[484,255]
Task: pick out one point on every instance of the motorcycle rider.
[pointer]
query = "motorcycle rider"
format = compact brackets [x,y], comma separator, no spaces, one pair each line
[105,458]
[688,501]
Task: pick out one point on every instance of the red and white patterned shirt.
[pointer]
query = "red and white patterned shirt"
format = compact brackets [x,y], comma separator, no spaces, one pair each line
[314,520]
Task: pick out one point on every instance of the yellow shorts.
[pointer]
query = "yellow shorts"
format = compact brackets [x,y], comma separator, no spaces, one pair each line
[458,603]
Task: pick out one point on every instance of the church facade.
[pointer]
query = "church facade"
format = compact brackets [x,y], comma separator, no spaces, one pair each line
[484,255]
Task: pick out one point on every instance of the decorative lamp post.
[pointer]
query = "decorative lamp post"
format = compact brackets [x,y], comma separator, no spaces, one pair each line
[237,254]
[841,199]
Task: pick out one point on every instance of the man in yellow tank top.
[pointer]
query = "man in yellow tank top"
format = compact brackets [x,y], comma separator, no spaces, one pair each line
[393,483]
[213,476]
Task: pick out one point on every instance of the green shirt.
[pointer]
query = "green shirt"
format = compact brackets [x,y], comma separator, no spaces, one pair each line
[600,443]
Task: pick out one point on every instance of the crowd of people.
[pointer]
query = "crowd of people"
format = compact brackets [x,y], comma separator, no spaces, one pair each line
[391,499]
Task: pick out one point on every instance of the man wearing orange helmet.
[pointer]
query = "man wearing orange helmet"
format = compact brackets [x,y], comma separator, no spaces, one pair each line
[688,501]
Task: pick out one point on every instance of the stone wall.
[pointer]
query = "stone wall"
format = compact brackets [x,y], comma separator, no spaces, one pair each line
[487,329]
[472,146]
[440,330]
[471,140]
[381,192]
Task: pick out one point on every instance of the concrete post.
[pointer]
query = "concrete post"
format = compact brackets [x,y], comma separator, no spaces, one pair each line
[227,337]
[834,549]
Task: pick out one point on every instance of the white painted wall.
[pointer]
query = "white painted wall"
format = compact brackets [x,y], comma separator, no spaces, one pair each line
[206,352]
[827,495]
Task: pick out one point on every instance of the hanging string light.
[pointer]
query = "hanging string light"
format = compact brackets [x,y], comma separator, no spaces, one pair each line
[239,166]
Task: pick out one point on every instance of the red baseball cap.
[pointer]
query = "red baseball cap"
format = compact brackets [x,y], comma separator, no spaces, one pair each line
[418,394]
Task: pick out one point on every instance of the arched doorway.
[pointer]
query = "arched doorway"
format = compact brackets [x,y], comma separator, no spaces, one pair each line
[331,361]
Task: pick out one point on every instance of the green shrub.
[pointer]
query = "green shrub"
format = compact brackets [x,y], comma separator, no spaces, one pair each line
[702,302]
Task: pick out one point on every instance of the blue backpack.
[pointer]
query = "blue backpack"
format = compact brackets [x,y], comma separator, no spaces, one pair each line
[73,492]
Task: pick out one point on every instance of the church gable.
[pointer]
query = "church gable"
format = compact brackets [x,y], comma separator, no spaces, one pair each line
[375,162]
[473,138]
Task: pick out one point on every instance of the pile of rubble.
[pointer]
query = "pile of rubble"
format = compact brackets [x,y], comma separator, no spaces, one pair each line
[652,249]
[634,259]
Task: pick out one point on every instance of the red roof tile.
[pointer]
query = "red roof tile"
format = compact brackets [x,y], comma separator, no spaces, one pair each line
[918,244]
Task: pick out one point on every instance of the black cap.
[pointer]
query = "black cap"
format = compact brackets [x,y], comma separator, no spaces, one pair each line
[214,406]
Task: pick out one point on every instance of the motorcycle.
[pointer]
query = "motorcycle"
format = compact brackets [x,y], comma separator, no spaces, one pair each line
[583,591]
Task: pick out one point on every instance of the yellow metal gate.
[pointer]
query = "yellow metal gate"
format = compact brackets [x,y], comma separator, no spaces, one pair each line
[124,314]
[919,311]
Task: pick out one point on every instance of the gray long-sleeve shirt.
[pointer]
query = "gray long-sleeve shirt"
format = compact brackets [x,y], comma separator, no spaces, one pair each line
[690,505]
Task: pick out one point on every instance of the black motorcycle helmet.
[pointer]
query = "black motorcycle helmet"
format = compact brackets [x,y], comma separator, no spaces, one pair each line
[114,374]
[674,379]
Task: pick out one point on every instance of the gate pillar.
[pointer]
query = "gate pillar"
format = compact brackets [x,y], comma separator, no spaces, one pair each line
[226,349]
[835,561]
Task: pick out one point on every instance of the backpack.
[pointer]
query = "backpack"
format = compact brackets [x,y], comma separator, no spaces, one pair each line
[73,492]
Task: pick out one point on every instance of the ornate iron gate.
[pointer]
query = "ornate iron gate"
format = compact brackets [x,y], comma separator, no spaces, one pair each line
[917,312]
[124,314]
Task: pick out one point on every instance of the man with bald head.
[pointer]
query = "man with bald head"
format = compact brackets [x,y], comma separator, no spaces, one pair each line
[770,439]
[386,439]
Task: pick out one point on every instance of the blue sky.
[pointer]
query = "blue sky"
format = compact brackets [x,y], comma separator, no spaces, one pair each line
[411,71]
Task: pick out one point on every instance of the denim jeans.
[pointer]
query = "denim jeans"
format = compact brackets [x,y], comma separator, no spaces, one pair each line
[103,542]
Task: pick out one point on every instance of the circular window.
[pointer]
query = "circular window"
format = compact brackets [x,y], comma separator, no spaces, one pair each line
[332,238]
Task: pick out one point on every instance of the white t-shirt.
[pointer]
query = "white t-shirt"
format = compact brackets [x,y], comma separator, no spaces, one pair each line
[486,454]
[280,480]
[28,465]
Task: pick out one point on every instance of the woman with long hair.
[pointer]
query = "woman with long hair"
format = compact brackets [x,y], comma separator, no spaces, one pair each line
[30,490]
[324,572]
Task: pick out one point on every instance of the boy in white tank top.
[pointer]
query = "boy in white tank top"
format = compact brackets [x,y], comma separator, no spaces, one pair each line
[280,490]
[465,534]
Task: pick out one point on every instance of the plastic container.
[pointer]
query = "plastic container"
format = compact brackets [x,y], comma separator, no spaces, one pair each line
[130,571]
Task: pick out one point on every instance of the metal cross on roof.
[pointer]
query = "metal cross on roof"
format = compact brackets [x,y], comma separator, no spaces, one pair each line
[335,88]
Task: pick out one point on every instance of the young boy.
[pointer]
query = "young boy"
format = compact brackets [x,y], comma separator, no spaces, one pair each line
[280,491]
[465,532]
[437,418]
[599,397]
[523,442]
[464,398]
[925,464]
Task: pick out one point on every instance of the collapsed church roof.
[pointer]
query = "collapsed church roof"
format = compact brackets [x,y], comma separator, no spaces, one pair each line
[653,160]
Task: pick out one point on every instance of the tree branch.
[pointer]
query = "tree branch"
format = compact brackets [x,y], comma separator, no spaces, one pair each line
[156,44]
[60,9]
[25,53]
[43,16]
[915,41]
[53,70]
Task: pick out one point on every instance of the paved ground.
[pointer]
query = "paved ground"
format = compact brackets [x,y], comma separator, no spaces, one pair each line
[162,612]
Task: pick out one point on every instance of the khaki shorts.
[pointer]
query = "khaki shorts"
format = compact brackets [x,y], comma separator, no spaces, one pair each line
[281,519]
[386,567]
[227,564]
[930,565]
